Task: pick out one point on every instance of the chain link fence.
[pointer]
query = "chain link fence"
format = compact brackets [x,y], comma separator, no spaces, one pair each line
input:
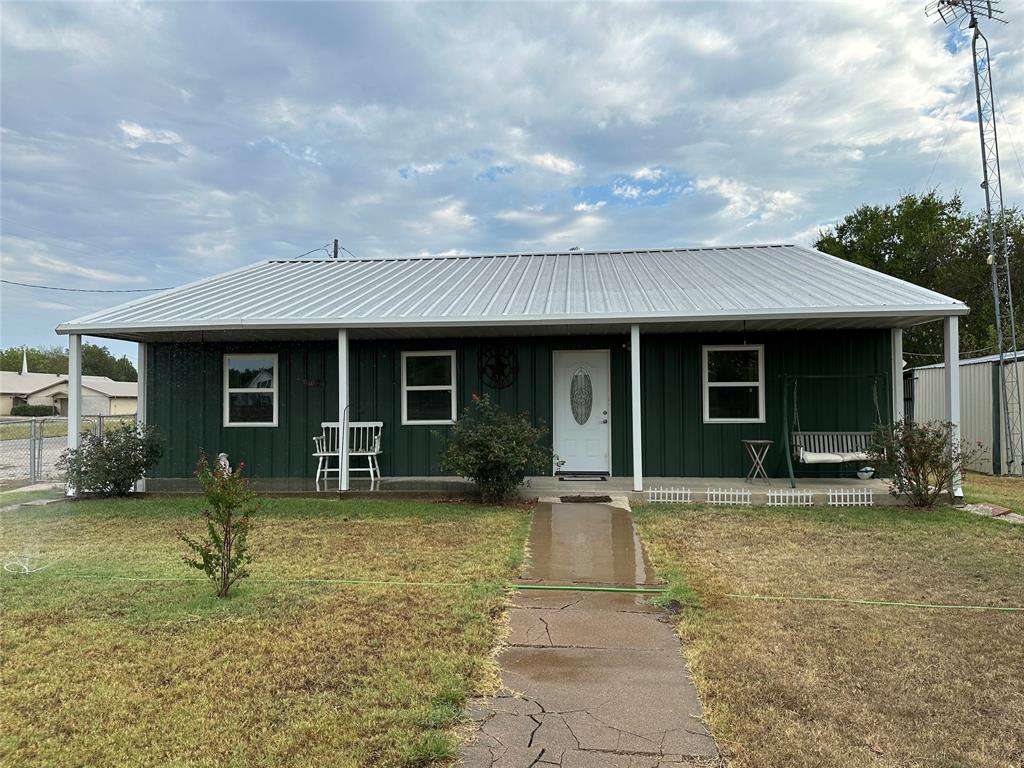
[30,447]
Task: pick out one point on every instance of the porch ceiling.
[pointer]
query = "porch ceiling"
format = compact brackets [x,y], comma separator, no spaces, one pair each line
[303,333]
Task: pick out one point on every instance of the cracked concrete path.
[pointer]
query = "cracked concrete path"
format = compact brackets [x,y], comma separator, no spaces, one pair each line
[592,679]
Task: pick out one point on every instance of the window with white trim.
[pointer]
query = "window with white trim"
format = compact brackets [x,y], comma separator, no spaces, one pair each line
[250,390]
[733,383]
[428,387]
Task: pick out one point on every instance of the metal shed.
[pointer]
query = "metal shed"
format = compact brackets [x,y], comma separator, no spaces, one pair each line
[981,411]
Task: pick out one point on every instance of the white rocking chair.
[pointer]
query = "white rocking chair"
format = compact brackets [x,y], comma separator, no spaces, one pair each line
[364,439]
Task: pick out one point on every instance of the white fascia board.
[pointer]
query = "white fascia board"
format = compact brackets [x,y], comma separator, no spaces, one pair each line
[223,324]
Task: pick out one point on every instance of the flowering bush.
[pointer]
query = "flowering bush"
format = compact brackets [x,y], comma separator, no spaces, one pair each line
[494,449]
[110,463]
[920,459]
[224,554]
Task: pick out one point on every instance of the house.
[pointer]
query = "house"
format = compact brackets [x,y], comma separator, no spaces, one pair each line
[100,395]
[644,363]
[983,416]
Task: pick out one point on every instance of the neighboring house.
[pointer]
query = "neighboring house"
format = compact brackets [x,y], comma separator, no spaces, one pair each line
[983,417]
[100,395]
[648,363]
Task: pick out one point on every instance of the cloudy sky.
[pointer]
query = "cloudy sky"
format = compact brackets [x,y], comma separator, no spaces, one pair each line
[145,145]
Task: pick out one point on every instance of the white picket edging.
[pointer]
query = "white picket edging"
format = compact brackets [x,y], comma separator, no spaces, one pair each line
[790,497]
[851,497]
[732,496]
[669,495]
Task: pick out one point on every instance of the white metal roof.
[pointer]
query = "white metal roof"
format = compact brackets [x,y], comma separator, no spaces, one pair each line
[25,384]
[764,285]
[1018,355]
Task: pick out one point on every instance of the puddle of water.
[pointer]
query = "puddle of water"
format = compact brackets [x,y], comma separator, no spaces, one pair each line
[586,543]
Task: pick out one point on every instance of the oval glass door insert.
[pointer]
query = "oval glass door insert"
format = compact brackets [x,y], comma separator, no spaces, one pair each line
[581,396]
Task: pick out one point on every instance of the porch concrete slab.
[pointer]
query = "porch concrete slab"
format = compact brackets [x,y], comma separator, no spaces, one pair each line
[540,487]
[599,677]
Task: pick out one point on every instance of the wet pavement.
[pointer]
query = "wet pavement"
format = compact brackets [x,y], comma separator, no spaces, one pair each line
[591,678]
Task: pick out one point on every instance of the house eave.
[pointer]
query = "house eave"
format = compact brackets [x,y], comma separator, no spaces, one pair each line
[880,316]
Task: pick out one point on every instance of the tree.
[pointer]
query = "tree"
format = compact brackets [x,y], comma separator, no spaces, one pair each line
[223,555]
[40,359]
[96,361]
[934,243]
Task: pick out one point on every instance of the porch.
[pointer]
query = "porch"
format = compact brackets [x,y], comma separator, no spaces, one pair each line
[648,399]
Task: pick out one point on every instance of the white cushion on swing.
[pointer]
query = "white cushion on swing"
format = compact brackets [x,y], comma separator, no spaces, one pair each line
[810,457]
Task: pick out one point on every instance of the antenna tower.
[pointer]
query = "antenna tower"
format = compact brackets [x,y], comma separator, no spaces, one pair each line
[965,14]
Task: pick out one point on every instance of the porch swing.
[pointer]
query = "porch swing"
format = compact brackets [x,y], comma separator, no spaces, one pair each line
[823,447]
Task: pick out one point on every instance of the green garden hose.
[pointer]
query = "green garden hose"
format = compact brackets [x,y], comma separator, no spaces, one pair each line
[578,588]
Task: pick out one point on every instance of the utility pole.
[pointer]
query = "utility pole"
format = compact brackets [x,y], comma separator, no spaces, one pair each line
[335,247]
[965,14]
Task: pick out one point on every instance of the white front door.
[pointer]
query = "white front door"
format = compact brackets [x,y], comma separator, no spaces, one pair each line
[582,422]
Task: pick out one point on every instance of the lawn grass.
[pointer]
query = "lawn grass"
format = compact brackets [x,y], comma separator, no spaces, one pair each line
[117,655]
[832,684]
[1005,491]
[18,428]
[21,495]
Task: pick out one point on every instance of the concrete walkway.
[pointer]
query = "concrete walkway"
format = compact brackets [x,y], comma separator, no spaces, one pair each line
[593,679]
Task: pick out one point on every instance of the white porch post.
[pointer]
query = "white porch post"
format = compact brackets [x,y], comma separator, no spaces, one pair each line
[74,397]
[638,447]
[951,339]
[140,402]
[897,374]
[343,409]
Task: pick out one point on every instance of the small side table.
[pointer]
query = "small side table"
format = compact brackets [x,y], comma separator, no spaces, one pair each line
[757,450]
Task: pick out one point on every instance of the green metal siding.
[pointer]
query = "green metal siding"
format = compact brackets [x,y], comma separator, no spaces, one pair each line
[676,440]
[186,401]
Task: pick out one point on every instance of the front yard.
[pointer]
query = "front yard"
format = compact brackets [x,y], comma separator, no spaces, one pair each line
[116,654]
[1005,491]
[789,683]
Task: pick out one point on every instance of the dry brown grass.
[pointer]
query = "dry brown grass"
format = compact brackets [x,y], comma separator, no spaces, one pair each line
[816,684]
[102,671]
[1005,491]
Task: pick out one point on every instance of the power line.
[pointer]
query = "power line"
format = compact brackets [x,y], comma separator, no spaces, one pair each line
[84,290]
[314,250]
[326,249]
[139,290]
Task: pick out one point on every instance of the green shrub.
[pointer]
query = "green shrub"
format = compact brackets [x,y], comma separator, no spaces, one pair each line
[494,449]
[33,410]
[109,464]
[224,554]
[920,460]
